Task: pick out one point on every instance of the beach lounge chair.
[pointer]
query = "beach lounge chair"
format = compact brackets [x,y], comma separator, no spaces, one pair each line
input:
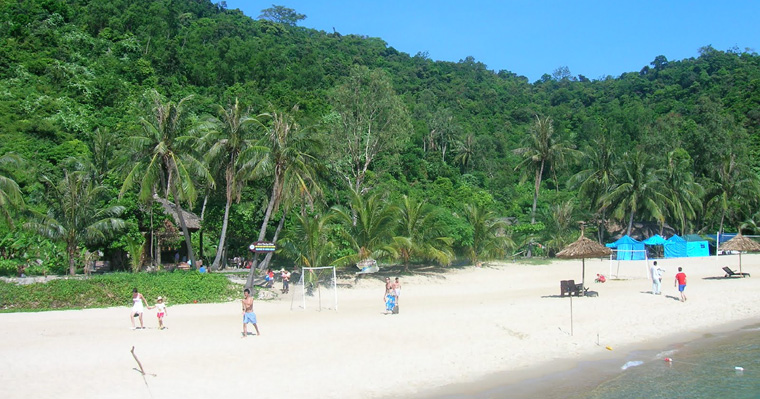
[731,273]
[569,287]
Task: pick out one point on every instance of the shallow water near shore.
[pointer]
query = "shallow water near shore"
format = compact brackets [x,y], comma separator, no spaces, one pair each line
[716,365]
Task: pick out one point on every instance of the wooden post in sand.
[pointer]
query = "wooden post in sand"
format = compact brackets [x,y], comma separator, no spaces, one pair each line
[571,315]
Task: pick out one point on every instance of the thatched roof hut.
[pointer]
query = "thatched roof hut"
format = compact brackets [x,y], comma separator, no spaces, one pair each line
[192,220]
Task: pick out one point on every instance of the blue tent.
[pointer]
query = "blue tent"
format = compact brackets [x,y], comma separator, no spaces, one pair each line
[625,247]
[676,247]
[655,240]
[696,246]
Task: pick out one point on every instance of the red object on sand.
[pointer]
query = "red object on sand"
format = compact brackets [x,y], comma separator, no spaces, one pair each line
[667,359]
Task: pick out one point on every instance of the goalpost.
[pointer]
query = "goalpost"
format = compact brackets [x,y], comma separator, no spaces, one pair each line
[629,263]
[316,288]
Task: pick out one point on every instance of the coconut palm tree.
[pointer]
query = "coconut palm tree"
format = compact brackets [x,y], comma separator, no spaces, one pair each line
[684,192]
[291,161]
[420,236]
[732,188]
[78,214]
[542,151]
[10,193]
[597,178]
[639,190]
[234,148]
[368,226]
[307,240]
[164,158]
[490,238]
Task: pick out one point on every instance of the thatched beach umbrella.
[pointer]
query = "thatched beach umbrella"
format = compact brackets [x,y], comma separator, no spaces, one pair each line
[584,248]
[741,243]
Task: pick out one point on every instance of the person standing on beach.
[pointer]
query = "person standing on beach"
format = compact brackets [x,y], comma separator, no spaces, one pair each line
[681,283]
[161,312]
[388,297]
[285,275]
[396,295]
[656,273]
[248,315]
[137,308]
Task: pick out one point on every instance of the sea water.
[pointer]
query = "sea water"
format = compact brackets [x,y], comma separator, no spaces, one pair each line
[717,366]
[725,365]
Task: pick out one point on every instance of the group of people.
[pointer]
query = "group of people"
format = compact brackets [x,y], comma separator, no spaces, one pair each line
[137,310]
[656,273]
[284,276]
[391,299]
[392,294]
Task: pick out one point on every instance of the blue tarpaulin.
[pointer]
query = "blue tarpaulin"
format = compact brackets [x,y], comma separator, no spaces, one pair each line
[676,247]
[696,246]
[655,240]
[625,248]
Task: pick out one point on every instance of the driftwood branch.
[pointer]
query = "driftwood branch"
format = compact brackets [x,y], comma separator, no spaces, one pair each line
[137,360]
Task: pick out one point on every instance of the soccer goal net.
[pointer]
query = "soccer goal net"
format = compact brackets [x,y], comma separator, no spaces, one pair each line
[316,289]
[629,264]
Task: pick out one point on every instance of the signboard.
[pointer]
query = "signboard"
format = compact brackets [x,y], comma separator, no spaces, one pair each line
[262,246]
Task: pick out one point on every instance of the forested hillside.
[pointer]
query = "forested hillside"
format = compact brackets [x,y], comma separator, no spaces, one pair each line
[341,148]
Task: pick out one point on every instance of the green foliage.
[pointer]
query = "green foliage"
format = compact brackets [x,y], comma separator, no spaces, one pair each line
[115,290]
[73,75]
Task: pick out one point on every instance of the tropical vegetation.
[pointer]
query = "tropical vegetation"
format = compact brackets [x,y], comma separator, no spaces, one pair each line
[340,148]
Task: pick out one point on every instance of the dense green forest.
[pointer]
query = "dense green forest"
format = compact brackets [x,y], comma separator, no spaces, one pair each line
[340,148]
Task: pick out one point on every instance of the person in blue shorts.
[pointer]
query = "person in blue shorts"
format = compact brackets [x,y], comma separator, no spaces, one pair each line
[248,315]
[389,297]
[681,283]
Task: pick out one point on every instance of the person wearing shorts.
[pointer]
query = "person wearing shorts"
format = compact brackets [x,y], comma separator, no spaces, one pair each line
[161,312]
[248,315]
[681,283]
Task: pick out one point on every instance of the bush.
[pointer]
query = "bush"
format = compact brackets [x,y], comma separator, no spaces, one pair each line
[116,290]
[9,267]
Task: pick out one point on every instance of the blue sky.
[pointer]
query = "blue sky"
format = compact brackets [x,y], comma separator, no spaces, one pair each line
[531,38]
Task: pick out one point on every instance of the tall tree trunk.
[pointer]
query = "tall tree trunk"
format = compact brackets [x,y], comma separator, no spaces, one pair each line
[268,258]
[263,233]
[223,237]
[71,249]
[630,223]
[182,223]
[539,173]
[200,232]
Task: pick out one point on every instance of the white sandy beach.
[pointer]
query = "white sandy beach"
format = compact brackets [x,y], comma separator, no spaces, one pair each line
[454,328]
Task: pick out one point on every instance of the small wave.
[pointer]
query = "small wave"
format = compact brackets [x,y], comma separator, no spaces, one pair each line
[664,354]
[632,363]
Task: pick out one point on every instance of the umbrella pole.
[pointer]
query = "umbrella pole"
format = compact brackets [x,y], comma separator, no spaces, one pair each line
[740,263]
[571,314]
[583,276]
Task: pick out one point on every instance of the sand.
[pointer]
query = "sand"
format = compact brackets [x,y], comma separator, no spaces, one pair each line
[455,332]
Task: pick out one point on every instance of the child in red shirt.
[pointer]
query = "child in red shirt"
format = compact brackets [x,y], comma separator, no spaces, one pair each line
[681,283]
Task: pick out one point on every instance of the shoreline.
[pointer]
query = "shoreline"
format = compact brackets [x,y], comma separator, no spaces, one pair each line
[569,378]
[461,330]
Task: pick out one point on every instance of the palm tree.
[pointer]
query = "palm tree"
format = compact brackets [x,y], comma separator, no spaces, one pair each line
[598,177]
[237,153]
[163,159]
[732,188]
[465,151]
[639,189]
[542,151]
[291,161]
[10,193]
[489,234]
[77,214]
[684,193]
[420,236]
[307,240]
[367,226]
